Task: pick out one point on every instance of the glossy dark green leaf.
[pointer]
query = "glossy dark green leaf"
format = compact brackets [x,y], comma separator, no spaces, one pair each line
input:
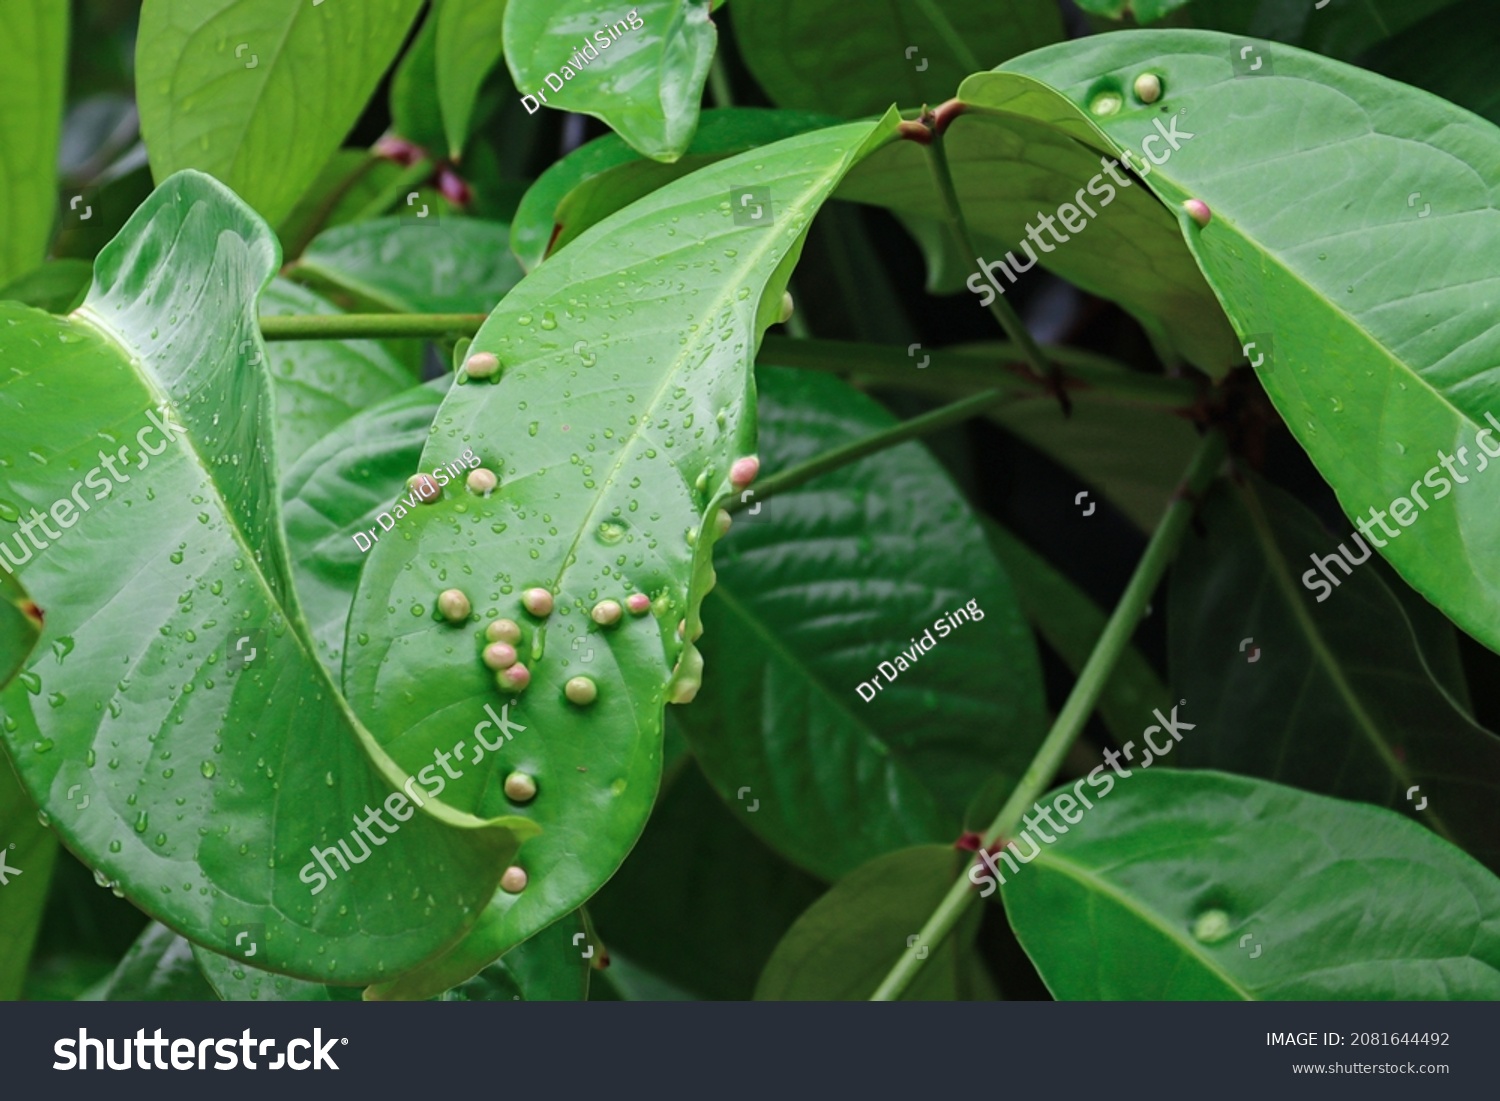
[855,59]
[259,93]
[1339,698]
[158,968]
[209,767]
[320,384]
[1451,53]
[338,490]
[1018,152]
[612,428]
[1198,886]
[1378,313]
[844,944]
[701,902]
[1071,624]
[406,265]
[645,79]
[610,175]
[1343,29]
[469,45]
[830,581]
[57,286]
[35,33]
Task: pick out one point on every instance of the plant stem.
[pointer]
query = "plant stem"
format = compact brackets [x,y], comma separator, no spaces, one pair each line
[718,82]
[938,158]
[869,445]
[369,326]
[1075,712]
[969,371]
[409,180]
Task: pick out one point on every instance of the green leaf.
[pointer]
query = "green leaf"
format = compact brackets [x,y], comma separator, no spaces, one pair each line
[833,579]
[415,114]
[447,265]
[1342,901]
[844,944]
[854,59]
[1343,30]
[1450,54]
[701,902]
[320,384]
[338,489]
[1370,384]
[612,428]
[552,966]
[29,849]
[1339,699]
[1049,152]
[260,93]
[57,286]
[645,84]
[611,175]
[139,705]
[31,103]
[469,46]
[1071,624]
[158,968]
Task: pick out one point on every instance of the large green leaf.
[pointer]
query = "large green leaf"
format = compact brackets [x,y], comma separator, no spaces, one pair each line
[813,594]
[1199,886]
[320,384]
[415,114]
[35,33]
[448,265]
[624,396]
[646,79]
[1018,152]
[1339,698]
[701,901]
[210,767]
[469,45]
[854,59]
[338,490]
[594,181]
[844,944]
[158,968]
[260,93]
[1380,312]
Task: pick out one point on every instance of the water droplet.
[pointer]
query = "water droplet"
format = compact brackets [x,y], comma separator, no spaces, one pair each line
[208,768]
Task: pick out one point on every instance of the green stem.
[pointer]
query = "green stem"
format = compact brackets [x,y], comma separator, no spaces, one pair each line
[718,82]
[370,326]
[966,372]
[1075,712]
[403,185]
[869,445]
[938,158]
